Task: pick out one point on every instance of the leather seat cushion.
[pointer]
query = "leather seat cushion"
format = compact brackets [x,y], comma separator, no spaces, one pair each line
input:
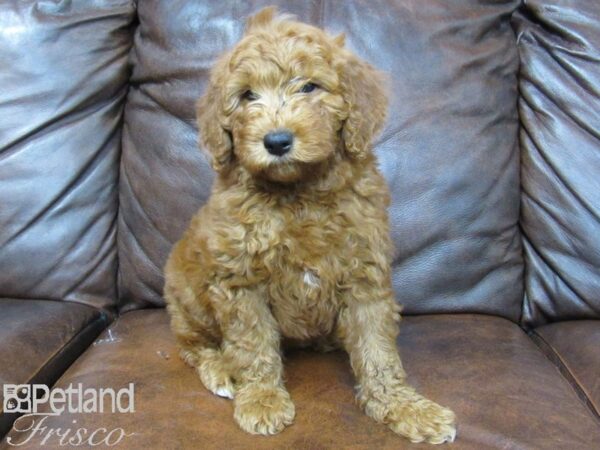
[575,346]
[504,390]
[39,339]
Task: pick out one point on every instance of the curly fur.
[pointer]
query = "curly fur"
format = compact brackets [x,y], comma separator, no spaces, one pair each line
[293,247]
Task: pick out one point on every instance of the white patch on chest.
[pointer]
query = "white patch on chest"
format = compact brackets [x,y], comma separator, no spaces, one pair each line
[310,279]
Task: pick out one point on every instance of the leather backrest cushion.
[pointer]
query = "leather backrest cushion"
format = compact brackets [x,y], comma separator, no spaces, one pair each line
[449,149]
[63,80]
[559,43]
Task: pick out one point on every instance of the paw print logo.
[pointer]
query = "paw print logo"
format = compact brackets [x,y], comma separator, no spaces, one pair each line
[17,398]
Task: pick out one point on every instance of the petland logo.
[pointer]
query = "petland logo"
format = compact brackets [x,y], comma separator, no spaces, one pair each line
[31,399]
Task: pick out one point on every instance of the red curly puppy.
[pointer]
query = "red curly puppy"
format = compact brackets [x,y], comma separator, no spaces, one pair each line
[294,240]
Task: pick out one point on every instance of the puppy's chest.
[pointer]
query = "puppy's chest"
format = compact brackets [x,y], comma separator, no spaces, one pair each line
[300,256]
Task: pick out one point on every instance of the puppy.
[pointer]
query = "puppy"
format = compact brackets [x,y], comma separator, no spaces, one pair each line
[294,240]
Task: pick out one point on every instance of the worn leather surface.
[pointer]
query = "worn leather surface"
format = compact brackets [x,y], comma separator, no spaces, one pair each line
[39,339]
[63,79]
[575,345]
[449,149]
[505,392]
[559,43]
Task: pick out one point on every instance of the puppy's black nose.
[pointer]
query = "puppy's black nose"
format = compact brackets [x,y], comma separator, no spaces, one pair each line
[278,142]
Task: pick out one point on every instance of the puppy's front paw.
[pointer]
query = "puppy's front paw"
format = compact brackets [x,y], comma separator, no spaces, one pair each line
[424,420]
[263,410]
[415,417]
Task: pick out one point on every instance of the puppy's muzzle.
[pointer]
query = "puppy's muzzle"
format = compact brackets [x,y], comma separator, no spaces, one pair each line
[278,143]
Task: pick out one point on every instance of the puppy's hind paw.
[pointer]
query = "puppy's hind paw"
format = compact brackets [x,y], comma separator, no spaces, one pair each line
[215,378]
[224,391]
[190,356]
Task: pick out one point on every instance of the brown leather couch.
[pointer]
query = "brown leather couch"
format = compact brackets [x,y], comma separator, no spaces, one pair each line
[492,154]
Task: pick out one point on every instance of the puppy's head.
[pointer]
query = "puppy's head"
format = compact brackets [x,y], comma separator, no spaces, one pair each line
[286,99]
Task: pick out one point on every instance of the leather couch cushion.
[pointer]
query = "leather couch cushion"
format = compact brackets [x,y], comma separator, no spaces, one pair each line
[39,339]
[63,79]
[449,150]
[505,392]
[559,109]
[575,346]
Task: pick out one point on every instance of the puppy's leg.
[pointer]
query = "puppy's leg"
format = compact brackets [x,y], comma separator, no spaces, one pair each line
[193,323]
[203,355]
[197,338]
[368,329]
[251,351]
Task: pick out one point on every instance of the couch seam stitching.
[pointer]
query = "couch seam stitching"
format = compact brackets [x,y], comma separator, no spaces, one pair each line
[554,357]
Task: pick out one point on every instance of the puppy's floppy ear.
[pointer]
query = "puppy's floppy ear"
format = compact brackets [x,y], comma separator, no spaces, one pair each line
[261,18]
[211,122]
[363,89]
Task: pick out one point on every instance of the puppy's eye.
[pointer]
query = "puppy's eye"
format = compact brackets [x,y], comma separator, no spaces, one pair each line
[249,95]
[308,87]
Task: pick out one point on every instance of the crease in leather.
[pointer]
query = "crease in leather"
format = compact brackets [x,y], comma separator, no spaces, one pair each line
[537,14]
[190,122]
[134,26]
[554,357]
[550,96]
[532,251]
[80,111]
[141,248]
[321,12]
[101,257]
[562,180]
[124,290]
[139,207]
[67,190]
